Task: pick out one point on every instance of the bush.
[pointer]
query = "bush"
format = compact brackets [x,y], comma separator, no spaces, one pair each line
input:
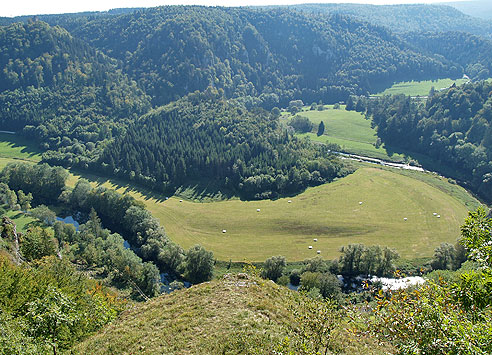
[301,124]
[273,267]
[198,264]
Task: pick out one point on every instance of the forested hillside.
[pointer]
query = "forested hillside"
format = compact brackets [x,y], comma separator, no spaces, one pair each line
[203,137]
[470,52]
[453,127]
[408,17]
[83,92]
[265,57]
[63,93]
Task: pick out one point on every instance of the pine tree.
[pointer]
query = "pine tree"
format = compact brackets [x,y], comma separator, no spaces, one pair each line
[321,129]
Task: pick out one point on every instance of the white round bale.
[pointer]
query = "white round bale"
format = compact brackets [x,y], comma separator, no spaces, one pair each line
[310,247]
[315,239]
[258,210]
[318,252]
[289,201]
[223,231]
[405,218]
[360,202]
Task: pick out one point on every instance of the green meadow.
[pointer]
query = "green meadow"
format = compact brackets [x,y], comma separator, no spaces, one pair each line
[350,130]
[421,88]
[15,148]
[330,213]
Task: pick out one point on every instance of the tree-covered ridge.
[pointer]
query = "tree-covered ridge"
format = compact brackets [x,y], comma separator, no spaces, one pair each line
[205,137]
[470,52]
[266,57]
[407,17]
[453,127]
[62,92]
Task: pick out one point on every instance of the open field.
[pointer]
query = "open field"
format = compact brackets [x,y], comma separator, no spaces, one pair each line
[420,88]
[21,220]
[331,213]
[15,148]
[350,130]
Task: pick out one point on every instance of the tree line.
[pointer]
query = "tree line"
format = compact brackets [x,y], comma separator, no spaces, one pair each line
[453,127]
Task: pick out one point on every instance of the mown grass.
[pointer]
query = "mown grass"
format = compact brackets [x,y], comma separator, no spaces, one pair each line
[421,88]
[350,130]
[330,213]
[15,147]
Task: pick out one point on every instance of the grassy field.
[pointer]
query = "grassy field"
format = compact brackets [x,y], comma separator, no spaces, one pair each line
[421,88]
[330,213]
[21,220]
[350,130]
[15,148]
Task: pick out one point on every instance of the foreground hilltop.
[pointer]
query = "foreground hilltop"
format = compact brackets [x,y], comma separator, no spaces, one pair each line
[237,314]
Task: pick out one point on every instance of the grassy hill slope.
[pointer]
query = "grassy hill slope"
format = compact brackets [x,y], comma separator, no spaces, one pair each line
[330,213]
[238,314]
[350,130]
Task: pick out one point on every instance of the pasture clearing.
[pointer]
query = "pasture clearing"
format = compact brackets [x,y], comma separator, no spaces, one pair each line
[421,88]
[350,130]
[331,213]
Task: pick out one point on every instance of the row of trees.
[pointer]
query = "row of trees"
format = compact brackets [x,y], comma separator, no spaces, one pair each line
[99,247]
[318,277]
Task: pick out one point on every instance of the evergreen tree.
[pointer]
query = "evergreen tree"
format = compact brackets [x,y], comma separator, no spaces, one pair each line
[321,129]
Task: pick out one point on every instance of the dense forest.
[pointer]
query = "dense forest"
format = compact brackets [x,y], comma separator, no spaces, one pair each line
[91,93]
[407,17]
[469,51]
[453,127]
[204,137]
[63,93]
[265,57]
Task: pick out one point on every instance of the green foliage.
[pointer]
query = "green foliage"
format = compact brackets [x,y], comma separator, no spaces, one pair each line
[38,243]
[198,264]
[444,257]
[273,267]
[44,214]
[326,284]
[49,305]
[316,321]
[224,150]
[409,17]
[477,237]
[453,127]
[358,259]
[63,93]
[321,129]
[45,183]
[301,124]
[52,317]
[430,320]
